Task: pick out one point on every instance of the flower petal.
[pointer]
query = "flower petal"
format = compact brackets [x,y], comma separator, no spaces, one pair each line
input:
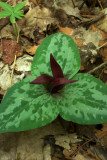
[61,81]
[55,67]
[44,78]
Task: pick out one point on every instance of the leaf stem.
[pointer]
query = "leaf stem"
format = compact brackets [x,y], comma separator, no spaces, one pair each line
[16,30]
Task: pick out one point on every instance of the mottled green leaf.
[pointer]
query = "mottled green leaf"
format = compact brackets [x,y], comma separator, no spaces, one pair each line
[26,106]
[6,7]
[63,49]
[85,101]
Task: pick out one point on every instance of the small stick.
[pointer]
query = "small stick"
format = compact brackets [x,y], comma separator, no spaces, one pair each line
[96,68]
[100,4]
[101,46]
[73,3]
[13,68]
[44,17]
[81,147]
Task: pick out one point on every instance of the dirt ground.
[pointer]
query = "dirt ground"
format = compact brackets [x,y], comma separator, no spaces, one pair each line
[86,22]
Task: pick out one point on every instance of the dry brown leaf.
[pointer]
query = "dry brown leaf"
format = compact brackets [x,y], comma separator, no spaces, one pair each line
[103,43]
[40,41]
[67,154]
[82,67]
[66,30]
[103,52]
[32,50]
[102,132]
[79,42]
[70,32]
[10,48]
[54,158]
[104,34]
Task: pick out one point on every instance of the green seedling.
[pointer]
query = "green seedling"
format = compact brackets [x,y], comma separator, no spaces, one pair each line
[57,90]
[13,12]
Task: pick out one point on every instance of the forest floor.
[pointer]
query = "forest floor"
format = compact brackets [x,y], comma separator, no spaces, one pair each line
[86,22]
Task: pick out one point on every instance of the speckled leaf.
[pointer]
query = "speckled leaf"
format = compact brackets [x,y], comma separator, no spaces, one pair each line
[63,49]
[85,101]
[26,106]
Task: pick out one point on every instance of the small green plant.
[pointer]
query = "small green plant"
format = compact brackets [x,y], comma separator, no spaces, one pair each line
[57,90]
[13,12]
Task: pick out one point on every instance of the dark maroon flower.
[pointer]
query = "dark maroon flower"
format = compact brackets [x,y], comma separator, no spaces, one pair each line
[55,83]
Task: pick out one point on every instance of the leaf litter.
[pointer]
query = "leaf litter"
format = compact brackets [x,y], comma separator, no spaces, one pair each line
[88,29]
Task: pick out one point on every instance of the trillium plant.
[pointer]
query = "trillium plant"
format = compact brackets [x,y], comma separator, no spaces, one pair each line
[54,89]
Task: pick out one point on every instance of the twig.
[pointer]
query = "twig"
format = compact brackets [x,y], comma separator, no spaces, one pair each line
[73,3]
[96,68]
[13,69]
[44,17]
[101,46]
[100,4]
[93,20]
[18,37]
[81,147]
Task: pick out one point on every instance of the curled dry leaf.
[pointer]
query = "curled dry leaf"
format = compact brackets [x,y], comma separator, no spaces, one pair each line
[32,50]
[10,48]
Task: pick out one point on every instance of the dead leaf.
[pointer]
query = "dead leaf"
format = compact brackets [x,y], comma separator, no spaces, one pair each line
[65,140]
[82,67]
[102,132]
[103,52]
[5,80]
[102,24]
[36,18]
[70,32]
[23,64]
[103,43]
[54,158]
[10,48]
[40,41]
[67,154]
[32,50]
[104,34]
[66,30]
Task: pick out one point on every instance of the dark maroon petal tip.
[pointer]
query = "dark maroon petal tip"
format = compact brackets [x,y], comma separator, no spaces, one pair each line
[62,81]
[44,78]
[55,67]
